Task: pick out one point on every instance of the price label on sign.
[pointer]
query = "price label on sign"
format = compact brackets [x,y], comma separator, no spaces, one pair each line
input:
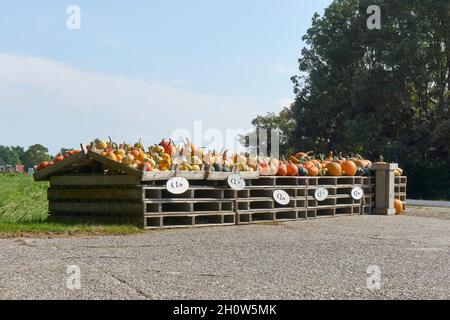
[321,194]
[236,182]
[357,193]
[177,185]
[281,197]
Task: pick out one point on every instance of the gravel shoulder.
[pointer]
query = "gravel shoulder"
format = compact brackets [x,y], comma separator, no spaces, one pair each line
[313,259]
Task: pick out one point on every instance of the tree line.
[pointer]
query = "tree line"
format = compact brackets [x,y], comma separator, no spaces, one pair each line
[376,92]
[30,157]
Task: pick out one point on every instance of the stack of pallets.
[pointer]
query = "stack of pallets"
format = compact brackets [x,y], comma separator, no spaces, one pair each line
[214,203]
[94,188]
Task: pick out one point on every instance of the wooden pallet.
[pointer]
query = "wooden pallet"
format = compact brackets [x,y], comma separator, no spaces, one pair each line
[400,188]
[89,185]
[206,202]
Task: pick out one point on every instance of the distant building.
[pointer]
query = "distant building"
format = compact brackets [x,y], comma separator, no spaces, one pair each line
[6,168]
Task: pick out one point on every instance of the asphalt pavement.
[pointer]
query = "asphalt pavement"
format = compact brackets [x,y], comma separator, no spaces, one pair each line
[358,257]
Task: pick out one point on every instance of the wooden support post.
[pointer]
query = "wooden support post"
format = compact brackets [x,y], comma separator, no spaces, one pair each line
[384,202]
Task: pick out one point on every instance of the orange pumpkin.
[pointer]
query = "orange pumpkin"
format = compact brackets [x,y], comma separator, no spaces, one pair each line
[398,206]
[294,160]
[324,164]
[313,171]
[145,166]
[43,165]
[58,158]
[72,152]
[135,153]
[333,169]
[292,169]
[300,155]
[349,168]
[312,168]
[360,163]
[317,163]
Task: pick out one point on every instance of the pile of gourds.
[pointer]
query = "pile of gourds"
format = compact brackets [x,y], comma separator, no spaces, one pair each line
[167,156]
[331,165]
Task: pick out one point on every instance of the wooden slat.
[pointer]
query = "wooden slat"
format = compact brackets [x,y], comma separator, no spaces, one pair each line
[158,175]
[88,180]
[249,174]
[95,194]
[185,200]
[134,220]
[213,175]
[191,175]
[44,174]
[185,213]
[114,164]
[94,208]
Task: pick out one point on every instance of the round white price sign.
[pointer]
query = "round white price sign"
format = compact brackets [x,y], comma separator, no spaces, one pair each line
[236,182]
[321,194]
[177,185]
[281,197]
[357,193]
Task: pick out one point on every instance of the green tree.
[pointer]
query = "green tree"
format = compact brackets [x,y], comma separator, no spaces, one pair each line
[35,154]
[379,92]
[10,155]
[283,122]
[20,152]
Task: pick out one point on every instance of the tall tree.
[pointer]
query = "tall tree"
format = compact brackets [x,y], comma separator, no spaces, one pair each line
[10,155]
[283,122]
[379,92]
[20,152]
[35,154]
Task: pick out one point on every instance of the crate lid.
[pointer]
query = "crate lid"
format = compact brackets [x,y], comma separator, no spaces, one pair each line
[83,161]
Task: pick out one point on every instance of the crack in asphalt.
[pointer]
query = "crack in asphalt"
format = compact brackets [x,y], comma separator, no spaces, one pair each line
[98,257]
[123,281]
[127,246]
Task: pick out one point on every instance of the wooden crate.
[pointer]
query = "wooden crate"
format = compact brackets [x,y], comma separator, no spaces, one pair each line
[95,198]
[92,187]
[207,202]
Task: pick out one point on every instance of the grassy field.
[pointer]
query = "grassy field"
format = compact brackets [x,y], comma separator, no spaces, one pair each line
[23,212]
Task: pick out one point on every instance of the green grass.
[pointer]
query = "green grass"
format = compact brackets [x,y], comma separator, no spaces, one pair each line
[8,229]
[22,199]
[24,211]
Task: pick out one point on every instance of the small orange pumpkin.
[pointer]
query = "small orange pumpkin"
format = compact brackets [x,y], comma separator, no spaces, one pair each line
[312,168]
[58,158]
[43,165]
[300,155]
[398,206]
[324,164]
[333,169]
[317,163]
[135,153]
[145,166]
[360,163]
[72,152]
[294,160]
[349,168]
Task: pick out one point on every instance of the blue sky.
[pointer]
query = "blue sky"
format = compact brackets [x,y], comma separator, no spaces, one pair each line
[144,68]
